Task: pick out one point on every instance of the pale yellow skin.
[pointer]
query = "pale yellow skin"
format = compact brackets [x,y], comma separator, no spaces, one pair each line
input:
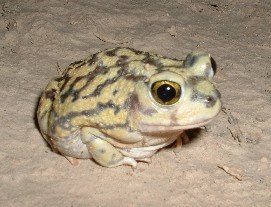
[104,108]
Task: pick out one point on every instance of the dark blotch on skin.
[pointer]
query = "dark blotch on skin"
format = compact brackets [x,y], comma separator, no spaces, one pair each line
[92,60]
[112,53]
[122,60]
[150,60]
[64,123]
[149,111]
[64,97]
[190,60]
[113,157]
[50,94]
[102,151]
[208,100]
[193,81]
[115,92]
[75,96]
[135,78]
[117,110]
[134,102]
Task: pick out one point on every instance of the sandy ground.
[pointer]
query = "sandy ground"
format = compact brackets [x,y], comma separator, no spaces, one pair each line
[227,164]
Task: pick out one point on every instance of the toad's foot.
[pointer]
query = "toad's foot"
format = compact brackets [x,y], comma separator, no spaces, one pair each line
[182,139]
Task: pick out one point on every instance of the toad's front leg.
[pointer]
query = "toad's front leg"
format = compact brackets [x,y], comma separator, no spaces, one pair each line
[103,152]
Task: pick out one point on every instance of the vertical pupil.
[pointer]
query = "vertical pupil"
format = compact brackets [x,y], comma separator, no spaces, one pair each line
[166,92]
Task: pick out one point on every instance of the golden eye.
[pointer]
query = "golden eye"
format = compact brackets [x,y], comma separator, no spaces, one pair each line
[166,92]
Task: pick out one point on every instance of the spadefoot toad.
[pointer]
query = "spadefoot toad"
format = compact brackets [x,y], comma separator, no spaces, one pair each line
[121,105]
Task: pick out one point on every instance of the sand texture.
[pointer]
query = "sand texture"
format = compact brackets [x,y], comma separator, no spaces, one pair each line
[226,164]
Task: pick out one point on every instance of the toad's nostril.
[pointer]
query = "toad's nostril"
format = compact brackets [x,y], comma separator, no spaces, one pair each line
[210,101]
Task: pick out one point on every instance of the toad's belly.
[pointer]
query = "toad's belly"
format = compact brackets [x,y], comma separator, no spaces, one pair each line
[74,147]
[145,152]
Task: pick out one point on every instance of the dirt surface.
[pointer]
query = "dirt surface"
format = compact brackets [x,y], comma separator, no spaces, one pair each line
[226,164]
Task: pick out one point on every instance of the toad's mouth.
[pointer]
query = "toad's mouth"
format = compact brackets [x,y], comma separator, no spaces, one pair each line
[148,128]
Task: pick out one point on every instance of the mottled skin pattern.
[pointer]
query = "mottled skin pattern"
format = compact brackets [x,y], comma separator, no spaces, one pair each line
[103,107]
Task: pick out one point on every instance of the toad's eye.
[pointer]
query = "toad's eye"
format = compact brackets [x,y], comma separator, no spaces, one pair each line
[166,92]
